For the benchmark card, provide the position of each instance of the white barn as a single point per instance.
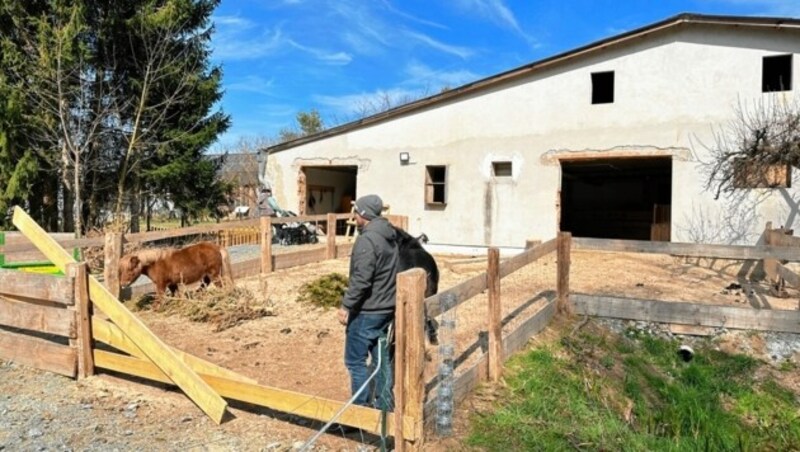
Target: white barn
(604, 141)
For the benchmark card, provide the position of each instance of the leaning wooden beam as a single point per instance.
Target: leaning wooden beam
(688, 249)
(108, 333)
(194, 387)
(688, 313)
(277, 399)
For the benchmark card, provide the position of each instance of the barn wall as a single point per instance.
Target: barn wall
(671, 90)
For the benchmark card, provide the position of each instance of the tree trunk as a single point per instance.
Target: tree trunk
(68, 218)
(77, 200)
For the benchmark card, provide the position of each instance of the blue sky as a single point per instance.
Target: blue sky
(341, 57)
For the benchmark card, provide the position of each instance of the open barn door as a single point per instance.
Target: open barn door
(617, 198)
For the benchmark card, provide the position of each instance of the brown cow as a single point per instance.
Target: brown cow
(168, 267)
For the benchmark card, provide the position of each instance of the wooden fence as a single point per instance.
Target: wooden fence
(779, 247)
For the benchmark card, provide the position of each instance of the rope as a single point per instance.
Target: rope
(381, 345)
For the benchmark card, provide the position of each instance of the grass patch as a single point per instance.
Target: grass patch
(599, 391)
(224, 307)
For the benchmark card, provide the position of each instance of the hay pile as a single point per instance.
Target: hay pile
(224, 307)
(325, 292)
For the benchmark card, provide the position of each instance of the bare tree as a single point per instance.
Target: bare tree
(749, 150)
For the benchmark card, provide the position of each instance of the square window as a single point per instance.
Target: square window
(776, 73)
(501, 169)
(435, 185)
(603, 87)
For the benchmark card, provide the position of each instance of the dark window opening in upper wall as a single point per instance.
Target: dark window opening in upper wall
(603, 87)
(501, 169)
(776, 73)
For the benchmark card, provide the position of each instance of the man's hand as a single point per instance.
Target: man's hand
(343, 314)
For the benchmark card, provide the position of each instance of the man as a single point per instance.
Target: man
(368, 304)
(267, 205)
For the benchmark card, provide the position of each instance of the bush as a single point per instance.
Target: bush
(325, 292)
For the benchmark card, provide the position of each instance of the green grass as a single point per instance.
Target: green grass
(576, 395)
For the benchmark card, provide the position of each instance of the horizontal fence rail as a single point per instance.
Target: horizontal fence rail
(710, 315)
(688, 249)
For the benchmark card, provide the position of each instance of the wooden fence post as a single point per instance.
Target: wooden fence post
(410, 391)
(113, 253)
(564, 249)
(495, 316)
(83, 316)
(266, 245)
(330, 231)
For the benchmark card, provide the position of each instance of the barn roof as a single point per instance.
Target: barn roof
(494, 80)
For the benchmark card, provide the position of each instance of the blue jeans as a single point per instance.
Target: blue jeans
(363, 332)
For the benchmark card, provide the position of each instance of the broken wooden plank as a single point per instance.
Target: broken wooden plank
(192, 385)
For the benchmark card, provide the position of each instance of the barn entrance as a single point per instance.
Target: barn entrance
(619, 198)
(327, 189)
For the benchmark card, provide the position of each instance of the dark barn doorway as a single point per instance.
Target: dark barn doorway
(328, 189)
(619, 198)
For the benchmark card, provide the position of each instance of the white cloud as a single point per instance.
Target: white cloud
(424, 75)
(233, 40)
(461, 52)
(334, 58)
(233, 21)
(497, 12)
(366, 103)
(251, 83)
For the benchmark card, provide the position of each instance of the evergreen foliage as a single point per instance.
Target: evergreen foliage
(326, 291)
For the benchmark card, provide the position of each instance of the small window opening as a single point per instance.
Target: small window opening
(776, 73)
(501, 169)
(435, 184)
(603, 87)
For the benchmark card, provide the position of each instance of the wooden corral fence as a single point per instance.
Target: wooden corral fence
(697, 314)
(26, 314)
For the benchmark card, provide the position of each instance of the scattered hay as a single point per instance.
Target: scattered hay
(326, 291)
(224, 307)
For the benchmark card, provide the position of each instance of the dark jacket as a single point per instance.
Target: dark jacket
(373, 270)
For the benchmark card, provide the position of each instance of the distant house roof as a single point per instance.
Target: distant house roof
(241, 169)
(492, 81)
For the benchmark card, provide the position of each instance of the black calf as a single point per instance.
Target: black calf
(413, 255)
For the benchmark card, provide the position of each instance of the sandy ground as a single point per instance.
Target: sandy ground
(300, 348)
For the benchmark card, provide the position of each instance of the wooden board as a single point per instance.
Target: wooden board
(463, 292)
(688, 249)
(194, 387)
(38, 353)
(35, 285)
(64, 243)
(304, 405)
(140, 237)
(791, 278)
(462, 386)
(517, 339)
(108, 333)
(297, 258)
(44, 319)
(691, 330)
(526, 257)
(688, 313)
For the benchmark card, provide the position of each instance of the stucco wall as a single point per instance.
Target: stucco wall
(672, 89)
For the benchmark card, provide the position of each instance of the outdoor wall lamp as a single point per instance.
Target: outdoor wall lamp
(404, 158)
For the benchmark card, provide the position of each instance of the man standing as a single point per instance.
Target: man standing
(368, 304)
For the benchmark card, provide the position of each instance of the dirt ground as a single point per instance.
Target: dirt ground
(300, 348)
